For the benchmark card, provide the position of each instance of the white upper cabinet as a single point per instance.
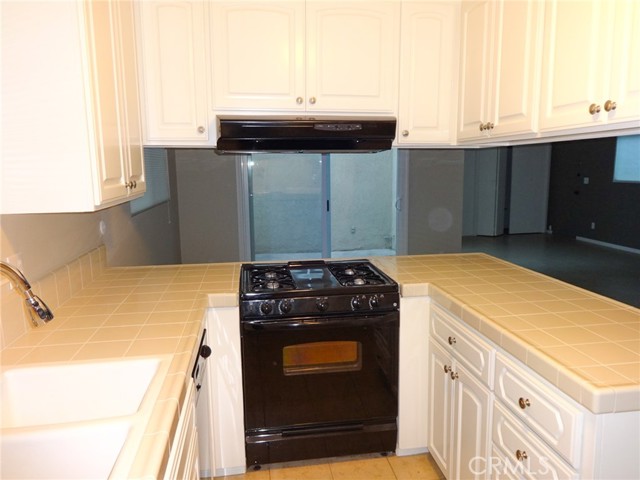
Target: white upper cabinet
(258, 55)
(428, 70)
(590, 73)
(172, 49)
(73, 80)
(296, 56)
(499, 70)
(352, 56)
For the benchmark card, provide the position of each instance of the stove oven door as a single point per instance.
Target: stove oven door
(320, 379)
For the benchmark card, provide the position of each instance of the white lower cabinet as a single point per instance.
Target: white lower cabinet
(460, 397)
(183, 456)
(224, 421)
(520, 454)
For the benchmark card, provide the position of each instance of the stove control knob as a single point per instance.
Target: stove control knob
(286, 306)
(374, 302)
(322, 303)
(356, 303)
(266, 308)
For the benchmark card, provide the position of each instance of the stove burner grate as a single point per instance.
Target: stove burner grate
(350, 275)
(270, 279)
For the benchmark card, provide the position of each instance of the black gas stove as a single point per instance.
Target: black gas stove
(315, 287)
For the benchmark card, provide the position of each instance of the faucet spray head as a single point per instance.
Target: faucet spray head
(36, 304)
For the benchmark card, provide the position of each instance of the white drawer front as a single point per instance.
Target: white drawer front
(474, 353)
(555, 419)
(521, 454)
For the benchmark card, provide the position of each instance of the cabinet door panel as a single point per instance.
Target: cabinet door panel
(624, 84)
(440, 418)
(514, 101)
(109, 118)
(472, 404)
(352, 58)
(557, 421)
(172, 55)
(468, 348)
(132, 131)
(523, 453)
(475, 78)
(258, 55)
(571, 71)
(426, 73)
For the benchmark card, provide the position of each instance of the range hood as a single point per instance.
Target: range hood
(305, 134)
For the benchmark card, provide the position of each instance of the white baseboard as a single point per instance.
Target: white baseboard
(609, 245)
(404, 452)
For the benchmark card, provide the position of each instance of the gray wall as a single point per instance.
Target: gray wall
(574, 205)
(434, 201)
(48, 241)
(208, 206)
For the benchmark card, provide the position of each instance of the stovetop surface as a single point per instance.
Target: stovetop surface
(317, 277)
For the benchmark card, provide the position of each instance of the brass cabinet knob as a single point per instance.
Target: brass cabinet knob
(452, 340)
(200, 129)
(454, 375)
(524, 403)
(482, 127)
(521, 455)
(610, 105)
(299, 100)
(593, 109)
(405, 133)
(312, 100)
(447, 369)
(490, 126)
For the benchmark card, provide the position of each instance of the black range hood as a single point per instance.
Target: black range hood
(294, 134)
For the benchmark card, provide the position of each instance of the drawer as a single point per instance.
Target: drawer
(466, 346)
(557, 420)
(519, 452)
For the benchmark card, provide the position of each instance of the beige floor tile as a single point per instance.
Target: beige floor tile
(252, 475)
(302, 472)
(415, 467)
(367, 469)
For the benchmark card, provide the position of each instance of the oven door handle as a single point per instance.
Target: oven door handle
(319, 322)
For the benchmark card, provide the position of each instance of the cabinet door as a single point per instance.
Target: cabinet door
(572, 76)
(475, 68)
(427, 71)
(472, 407)
(624, 73)
(352, 56)
(516, 72)
(257, 54)
(130, 99)
(172, 52)
(109, 117)
(440, 417)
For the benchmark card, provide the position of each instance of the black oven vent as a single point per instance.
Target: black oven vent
(287, 134)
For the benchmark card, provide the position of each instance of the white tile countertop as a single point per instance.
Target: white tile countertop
(135, 312)
(585, 344)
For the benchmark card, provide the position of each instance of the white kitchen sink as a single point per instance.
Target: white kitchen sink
(79, 451)
(79, 391)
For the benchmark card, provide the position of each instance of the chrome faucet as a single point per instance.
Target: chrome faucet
(36, 304)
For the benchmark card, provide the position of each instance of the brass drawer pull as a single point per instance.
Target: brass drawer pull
(521, 455)
(524, 403)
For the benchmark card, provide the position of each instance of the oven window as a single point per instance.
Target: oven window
(322, 357)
